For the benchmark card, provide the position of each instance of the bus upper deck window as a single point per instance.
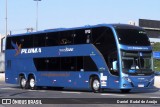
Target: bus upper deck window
(88, 39)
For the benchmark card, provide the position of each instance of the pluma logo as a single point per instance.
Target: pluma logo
(16, 47)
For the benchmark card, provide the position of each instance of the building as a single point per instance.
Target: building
(2, 46)
(152, 28)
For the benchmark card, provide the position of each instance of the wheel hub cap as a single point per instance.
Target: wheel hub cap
(32, 83)
(96, 84)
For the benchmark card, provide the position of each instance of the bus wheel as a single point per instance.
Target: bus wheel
(125, 90)
(32, 83)
(95, 84)
(23, 82)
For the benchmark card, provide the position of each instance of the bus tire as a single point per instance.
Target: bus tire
(23, 82)
(95, 85)
(32, 83)
(125, 90)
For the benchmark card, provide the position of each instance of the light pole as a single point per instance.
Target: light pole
(6, 18)
(37, 15)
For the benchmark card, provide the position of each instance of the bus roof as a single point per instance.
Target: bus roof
(124, 26)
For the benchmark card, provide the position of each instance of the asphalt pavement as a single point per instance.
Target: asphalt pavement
(77, 98)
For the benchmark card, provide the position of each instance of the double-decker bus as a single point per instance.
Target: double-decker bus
(105, 56)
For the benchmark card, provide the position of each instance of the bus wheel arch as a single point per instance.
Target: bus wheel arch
(32, 81)
(95, 84)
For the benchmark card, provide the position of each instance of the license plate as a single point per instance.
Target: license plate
(140, 85)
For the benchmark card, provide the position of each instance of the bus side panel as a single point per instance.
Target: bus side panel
(52, 79)
(113, 82)
(17, 67)
(10, 73)
(81, 80)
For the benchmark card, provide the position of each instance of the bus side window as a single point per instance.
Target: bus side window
(80, 63)
(115, 68)
(114, 64)
(80, 37)
(52, 39)
(66, 38)
(39, 40)
(88, 39)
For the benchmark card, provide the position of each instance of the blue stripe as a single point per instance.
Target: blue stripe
(135, 48)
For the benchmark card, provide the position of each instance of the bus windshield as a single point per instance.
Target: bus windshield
(134, 37)
(137, 63)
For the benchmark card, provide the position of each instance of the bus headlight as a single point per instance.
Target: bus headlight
(127, 79)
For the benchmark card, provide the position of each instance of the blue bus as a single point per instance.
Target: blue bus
(104, 56)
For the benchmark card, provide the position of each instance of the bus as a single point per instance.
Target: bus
(97, 57)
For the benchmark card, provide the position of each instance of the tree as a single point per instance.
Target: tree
(156, 62)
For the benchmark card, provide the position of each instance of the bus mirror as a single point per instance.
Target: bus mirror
(114, 64)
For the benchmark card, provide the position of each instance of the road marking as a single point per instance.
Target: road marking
(32, 90)
(154, 97)
(21, 89)
(8, 89)
(65, 92)
(113, 94)
(42, 91)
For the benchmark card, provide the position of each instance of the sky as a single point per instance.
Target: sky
(74, 13)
